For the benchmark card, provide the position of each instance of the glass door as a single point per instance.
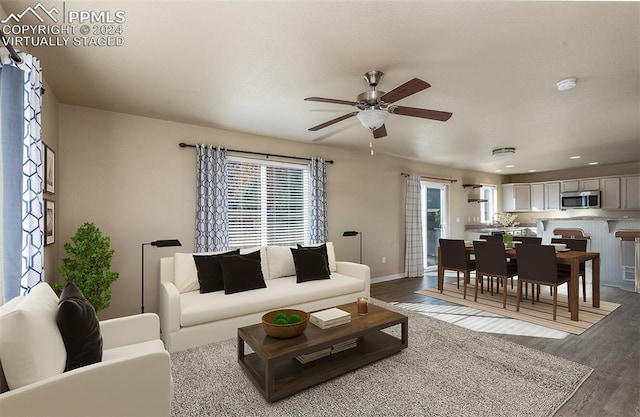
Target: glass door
(434, 221)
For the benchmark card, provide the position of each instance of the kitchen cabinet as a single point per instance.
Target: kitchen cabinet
(630, 192)
(552, 196)
(516, 197)
(592, 184)
(537, 197)
(610, 193)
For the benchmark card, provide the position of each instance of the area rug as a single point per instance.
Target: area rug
(540, 313)
(445, 371)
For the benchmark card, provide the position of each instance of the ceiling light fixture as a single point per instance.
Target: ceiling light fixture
(575, 157)
(498, 170)
(532, 170)
(372, 119)
(566, 84)
(509, 166)
(503, 151)
(593, 163)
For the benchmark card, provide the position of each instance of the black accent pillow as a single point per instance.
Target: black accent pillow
(321, 249)
(80, 329)
(210, 271)
(310, 265)
(242, 272)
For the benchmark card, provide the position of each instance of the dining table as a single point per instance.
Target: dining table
(572, 258)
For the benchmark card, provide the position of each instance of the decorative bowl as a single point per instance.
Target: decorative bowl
(284, 331)
(559, 246)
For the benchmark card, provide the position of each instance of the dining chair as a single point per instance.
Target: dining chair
(491, 238)
(528, 240)
(579, 245)
(491, 260)
(454, 258)
(537, 265)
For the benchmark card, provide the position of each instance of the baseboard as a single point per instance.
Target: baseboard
(386, 278)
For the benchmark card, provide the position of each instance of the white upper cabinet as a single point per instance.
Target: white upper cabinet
(537, 197)
(516, 197)
(552, 196)
(610, 193)
(631, 192)
(570, 186)
(590, 185)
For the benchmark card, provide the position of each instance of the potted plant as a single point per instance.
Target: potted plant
(89, 265)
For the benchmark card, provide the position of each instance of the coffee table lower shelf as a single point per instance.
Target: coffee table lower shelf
(289, 376)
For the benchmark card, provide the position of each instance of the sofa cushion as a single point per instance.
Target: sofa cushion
(199, 308)
(210, 272)
(31, 348)
(241, 272)
(135, 349)
(311, 265)
(280, 262)
(79, 327)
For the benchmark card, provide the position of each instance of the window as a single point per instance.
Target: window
(488, 210)
(268, 203)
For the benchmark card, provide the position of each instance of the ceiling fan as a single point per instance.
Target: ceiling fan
(375, 105)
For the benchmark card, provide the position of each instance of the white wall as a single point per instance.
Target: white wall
(127, 175)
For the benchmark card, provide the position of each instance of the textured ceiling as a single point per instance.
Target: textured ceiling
(247, 66)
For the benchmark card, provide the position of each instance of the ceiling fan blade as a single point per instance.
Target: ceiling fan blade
(410, 87)
(332, 100)
(442, 116)
(380, 132)
(330, 122)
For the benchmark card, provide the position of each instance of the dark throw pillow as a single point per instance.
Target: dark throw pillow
(310, 265)
(210, 271)
(242, 272)
(78, 324)
(321, 249)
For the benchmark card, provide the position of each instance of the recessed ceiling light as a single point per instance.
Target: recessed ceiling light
(498, 170)
(566, 84)
(509, 166)
(532, 170)
(593, 163)
(575, 157)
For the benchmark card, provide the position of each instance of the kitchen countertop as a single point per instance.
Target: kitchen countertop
(587, 218)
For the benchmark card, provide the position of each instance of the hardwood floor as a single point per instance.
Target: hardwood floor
(611, 347)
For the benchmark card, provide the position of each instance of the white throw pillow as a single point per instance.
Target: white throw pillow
(185, 274)
(280, 262)
(31, 347)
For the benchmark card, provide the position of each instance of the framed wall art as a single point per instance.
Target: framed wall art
(49, 222)
(49, 170)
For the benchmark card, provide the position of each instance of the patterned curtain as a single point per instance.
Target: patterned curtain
(318, 201)
(22, 208)
(413, 253)
(212, 234)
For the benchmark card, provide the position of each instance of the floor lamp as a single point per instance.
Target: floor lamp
(157, 244)
(354, 233)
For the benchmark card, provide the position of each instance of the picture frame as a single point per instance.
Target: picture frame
(49, 170)
(49, 222)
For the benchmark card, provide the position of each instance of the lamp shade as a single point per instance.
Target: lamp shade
(372, 119)
(166, 243)
(350, 233)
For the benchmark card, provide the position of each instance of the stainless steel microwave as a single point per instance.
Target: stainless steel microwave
(580, 199)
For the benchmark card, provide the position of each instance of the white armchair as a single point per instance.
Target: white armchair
(133, 378)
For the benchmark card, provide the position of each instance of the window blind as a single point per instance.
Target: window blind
(268, 203)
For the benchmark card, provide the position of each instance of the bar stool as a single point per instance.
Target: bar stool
(630, 236)
(573, 234)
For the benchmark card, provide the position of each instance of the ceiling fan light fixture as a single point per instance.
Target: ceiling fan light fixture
(503, 151)
(372, 119)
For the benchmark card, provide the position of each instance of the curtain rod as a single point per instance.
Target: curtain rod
(14, 55)
(188, 145)
(425, 177)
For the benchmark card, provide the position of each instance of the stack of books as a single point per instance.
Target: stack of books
(338, 347)
(329, 318)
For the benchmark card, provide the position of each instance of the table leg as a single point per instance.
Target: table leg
(440, 272)
(595, 281)
(269, 380)
(574, 292)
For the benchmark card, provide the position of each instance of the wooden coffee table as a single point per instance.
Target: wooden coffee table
(275, 371)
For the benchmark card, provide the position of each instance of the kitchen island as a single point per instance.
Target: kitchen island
(601, 231)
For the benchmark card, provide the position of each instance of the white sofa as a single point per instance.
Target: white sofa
(133, 378)
(189, 318)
